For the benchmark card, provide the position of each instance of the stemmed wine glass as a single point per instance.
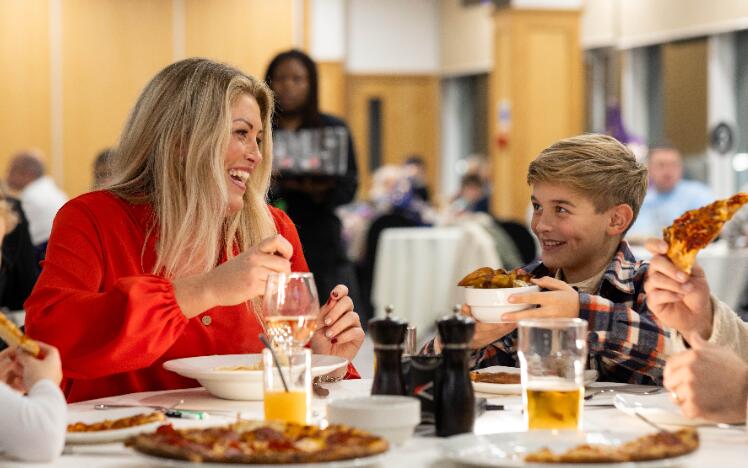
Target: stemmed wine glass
(290, 309)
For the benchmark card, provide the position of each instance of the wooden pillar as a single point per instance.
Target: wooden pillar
(535, 96)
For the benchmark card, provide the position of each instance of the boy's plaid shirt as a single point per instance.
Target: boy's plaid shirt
(625, 340)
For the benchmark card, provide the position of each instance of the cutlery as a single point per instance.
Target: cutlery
(643, 390)
(650, 423)
(168, 412)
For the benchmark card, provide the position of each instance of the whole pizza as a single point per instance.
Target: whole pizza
(256, 442)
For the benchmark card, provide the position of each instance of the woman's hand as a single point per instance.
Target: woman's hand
(680, 301)
(339, 331)
(238, 280)
(708, 381)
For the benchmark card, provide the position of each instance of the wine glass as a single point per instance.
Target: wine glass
(290, 309)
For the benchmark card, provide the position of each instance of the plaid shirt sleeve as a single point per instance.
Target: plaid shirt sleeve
(626, 343)
(499, 353)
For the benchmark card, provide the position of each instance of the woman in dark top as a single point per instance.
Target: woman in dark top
(307, 189)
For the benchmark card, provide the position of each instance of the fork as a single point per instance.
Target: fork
(593, 392)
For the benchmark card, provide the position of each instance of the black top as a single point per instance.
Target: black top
(19, 269)
(314, 215)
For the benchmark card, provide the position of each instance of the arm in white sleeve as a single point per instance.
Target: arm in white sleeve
(728, 331)
(33, 426)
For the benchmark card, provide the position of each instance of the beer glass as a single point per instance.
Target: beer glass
(552, 354)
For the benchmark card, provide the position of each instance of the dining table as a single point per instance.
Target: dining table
(720, 446)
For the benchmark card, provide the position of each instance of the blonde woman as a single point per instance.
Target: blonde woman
(169, 260)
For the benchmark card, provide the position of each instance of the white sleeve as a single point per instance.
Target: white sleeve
(33, 426)
(729, 330)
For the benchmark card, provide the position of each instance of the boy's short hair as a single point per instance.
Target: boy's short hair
(595, 165)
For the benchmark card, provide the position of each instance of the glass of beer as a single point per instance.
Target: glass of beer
(552, 354)
(289, 398)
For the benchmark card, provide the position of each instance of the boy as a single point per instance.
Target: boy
(586, 193)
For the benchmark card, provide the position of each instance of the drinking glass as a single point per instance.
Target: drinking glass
(552, 354)
(290, 309)
(292, 402)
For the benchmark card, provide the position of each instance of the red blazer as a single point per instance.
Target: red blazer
(114, 322)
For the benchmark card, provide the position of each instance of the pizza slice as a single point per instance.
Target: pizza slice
(11, 334)
(695, 229)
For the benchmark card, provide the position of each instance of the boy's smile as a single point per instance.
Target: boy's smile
(573, 236)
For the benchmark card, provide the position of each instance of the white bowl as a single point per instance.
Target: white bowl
(488, 305)
(389, 416)
(239, 385)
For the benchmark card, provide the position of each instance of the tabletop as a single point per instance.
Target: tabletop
(719, 446)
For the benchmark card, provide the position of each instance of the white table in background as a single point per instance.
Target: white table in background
(719, 447)
(417, 270)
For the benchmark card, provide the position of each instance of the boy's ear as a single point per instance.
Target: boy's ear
(620, 219)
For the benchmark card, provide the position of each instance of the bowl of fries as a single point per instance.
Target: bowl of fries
(487, 292)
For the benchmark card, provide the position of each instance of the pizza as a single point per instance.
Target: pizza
(13, 336)
(695, 229)
(121, 423)
(256, 442)
(663, 444)
(495, 377)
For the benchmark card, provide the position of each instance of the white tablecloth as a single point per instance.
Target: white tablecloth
(726, 269)
(719, 447)
(417, 269)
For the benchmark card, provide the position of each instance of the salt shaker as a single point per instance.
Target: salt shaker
(454, 397)
(388, 335)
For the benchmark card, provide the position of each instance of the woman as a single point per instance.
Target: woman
(310, 198)
(170, 261)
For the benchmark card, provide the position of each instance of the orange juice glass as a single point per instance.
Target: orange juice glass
(292, 402)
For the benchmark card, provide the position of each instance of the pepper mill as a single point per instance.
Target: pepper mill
(388, 335)
(454, 397)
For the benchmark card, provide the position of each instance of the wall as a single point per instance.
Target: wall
(79, 65)
(380, 42)
(465, 38)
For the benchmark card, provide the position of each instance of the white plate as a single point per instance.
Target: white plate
(352, 463)
(112, 435)
(657, 408)
(509, 449)
(239, 385)
(590, 376)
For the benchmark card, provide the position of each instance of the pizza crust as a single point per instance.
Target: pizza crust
(13, 336)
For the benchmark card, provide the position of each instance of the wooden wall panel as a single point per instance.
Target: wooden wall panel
(25, 81)
(244, 33)
(684, 84)
(410, 113)
(538, 74)
(111, 48)
(332, 87)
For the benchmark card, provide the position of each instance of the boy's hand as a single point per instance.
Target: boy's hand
(698, 382)
(680, 301)
(561, 300)
(487, 333)
(48, 366)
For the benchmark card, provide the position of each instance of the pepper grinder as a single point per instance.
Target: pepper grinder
(454, 397)
(388, 335)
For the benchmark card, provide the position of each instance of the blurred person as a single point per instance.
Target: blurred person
(586, 192)
(34, 424)
(472, 197)
(40, 197)
(310, 199)
(668, 195)
(172, 259)
(102, 171)
(19, 268)
(415, 170)
(710, 342)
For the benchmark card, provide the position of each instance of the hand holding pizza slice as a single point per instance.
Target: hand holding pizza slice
(10, 333)
(695, 229)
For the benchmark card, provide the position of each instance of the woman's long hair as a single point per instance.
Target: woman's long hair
(171, 155)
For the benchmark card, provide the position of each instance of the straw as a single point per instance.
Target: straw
(265, 341)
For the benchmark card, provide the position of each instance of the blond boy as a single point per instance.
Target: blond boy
(586, 193)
